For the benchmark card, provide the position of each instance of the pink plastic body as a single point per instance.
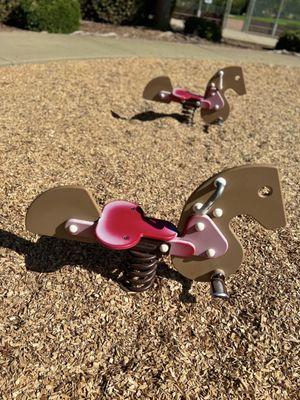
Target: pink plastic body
(209, 238)
(215, 99)
(123, 224)
(181, 95)
(210, 102)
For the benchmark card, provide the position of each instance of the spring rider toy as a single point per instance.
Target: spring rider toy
(203, 247)
(214, 106)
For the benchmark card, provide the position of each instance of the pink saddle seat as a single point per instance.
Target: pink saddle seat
(184, 95)
(123, 224)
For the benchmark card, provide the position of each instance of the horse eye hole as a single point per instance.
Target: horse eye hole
(265, 191)
(237, 78)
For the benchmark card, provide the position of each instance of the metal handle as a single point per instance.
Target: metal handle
(221, 75)
(220, 184)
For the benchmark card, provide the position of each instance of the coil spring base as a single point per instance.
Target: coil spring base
(141, 271)
(188, 112)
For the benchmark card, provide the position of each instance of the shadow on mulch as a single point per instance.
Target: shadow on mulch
(49, 254)
(150, 116)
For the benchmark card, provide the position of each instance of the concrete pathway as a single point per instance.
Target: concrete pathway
(19, 47)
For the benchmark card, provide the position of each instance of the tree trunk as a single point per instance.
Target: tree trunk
(162, 16)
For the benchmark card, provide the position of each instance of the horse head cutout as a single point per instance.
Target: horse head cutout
(226, 78)
(252, 190)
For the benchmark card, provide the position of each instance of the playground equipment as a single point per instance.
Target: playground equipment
(214, 105)
(203, 247)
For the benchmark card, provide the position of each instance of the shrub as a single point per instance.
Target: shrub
(113, 11)
(239, 7)
(88, 11)
(59, 16)
(204, 28)
(6, 6)
(289, 40)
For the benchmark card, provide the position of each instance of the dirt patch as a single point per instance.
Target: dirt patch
(67, 329)
(140, 32)
(6, 28)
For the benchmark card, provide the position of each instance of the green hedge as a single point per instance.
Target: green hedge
(58, 16)
(88, 11)
(239, 7)
(204, 28)
(289, 40)
(114, 11)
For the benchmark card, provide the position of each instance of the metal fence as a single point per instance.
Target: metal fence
(272, 17)
(199, 8)
(266, 17)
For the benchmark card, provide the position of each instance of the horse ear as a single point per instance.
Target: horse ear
(225, 78)
(155, 86)
(49, 212)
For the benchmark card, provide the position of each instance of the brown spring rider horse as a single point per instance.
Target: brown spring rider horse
(203, 247)
(214, 105)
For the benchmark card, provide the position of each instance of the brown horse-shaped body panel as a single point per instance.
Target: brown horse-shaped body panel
(250, 190)
(155, 86)
(49, 212)
(233, 78)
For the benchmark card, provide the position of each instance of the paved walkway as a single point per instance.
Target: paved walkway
(19, 47)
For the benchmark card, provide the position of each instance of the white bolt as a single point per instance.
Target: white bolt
(213, 85)
(217, 106)
(73, 229)
(164, 248)
(163, 94)
(199, 226)
(211, 252)
(218, 212)
(197, 206)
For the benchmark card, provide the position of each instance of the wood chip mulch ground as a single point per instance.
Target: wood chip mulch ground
(67, 329)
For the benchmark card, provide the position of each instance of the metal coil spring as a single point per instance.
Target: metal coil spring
(188, 112)
(141, 272)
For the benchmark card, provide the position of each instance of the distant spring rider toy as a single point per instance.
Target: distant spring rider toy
(203, 247)
(214, 106)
